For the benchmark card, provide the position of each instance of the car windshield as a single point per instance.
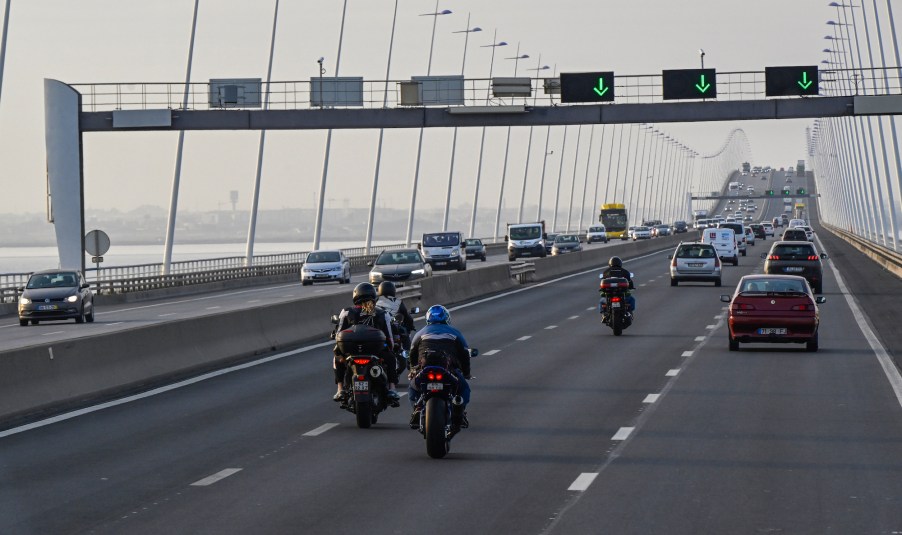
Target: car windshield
(525, 233)
(323, 256)
(398, 257)
(765, 286)
(792, 252)
(695, 251)
(442, 239)
(473, 242)
(566, 239)
(596, 229)
(53, 280)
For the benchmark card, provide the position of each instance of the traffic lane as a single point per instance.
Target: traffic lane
(172, 437)
(771, 438)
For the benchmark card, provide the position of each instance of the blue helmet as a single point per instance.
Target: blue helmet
(437, 314)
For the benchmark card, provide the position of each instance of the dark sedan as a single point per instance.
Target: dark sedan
(566, 243)
(773, 309)
(796, 258)
(56, 294)
(475, 248)
(399, 265)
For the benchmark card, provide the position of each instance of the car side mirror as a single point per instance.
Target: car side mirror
(370, 263)
(85, 285)
(725, 298)
(474, 352)
(820, 299)
(823, 256)
(415, 310)
(20, 290)
(505, 237)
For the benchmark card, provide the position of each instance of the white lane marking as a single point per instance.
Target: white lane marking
(672, 373)
(641, 285)
(319, 291)
(653, 280)
(491, 352)
(720, 316)
(700, 338)
(222, 474)
(550, 327)
(686, 354)
(289, 295)
(254, 301)
(524, 338)
(168, 314)
(623, 433)
(319, 430)
(889, 368)
(54, 332)
(573, 317)
(213, 308)
(710, 327)
(590, 309)
(582, 482)
(651, 398)
(111, 324)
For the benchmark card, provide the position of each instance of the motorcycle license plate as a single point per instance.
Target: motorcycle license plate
(615, 304)
(361, 386)
(772, 330)
(47, 307)
(434, 386)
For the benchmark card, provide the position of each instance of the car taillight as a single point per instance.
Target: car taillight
(743, 306)
(773, 257)
(804, 308)
(434, 376)
(673, 262)
(361, 362)
(716, 261)
(812, 257)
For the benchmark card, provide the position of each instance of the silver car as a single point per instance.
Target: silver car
(400, 266)
(695, 262)
(325, 266)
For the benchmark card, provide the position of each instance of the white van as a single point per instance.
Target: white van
(724, 242)
(597, 233)
(797, 223)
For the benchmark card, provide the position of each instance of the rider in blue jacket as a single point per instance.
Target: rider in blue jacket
(438, 337)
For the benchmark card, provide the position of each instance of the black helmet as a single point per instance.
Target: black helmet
(386, 288)
(615, 262)
(364, 292)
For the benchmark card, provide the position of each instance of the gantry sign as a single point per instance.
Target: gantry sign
(688, 84)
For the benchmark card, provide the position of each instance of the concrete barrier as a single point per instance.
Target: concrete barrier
(49, 378)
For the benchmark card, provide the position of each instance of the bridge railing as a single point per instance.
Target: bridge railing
(297, 95)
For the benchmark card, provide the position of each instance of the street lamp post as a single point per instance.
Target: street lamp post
(557, 192)
(507, 146)
(3, 44)
(529, 144)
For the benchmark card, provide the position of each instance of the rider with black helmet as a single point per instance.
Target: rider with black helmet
(365, 312)
(396, 309)
(616, 269)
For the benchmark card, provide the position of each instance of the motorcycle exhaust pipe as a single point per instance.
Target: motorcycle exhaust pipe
(375, 372)
(457, 400)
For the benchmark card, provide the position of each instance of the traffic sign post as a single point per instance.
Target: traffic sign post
(690, 84)
(587, 87)
(791, 81)
(97, 243)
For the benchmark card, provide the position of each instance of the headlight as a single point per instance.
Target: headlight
(455, 252)
(24, 301)
(375, 274)
(72, 298)
(418, 272)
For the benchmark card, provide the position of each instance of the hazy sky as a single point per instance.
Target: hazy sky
(80, 41)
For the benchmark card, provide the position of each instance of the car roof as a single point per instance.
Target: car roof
(325, 251)
(401, 251)
(55, 271)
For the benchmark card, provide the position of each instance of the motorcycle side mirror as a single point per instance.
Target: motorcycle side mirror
(334, 319)
(474, 352)
(601, 275)
(415, 310)
(632, 275)
(725, 298)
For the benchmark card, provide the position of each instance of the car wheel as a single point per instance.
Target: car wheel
(734, 345)
(34, 322)
(23, 323)
(80, 318)
(90, 317)
(462, 266)
(511, 258)
(674, 282)
(717, 282)
(811, 345)
(483, 258)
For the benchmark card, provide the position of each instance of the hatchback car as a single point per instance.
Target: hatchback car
(695, 262)
(768, 229)
(56, 294)
(475, 248)
(796, 258)
(566, 243)
(399, 265)
(326, 266)
(597, 233)
(773, 309)
(641, 233)
(794, 234)
(549, 242)
(758, 231)
(662, 230)
(749, 236)
(680, 227)
(809, 232)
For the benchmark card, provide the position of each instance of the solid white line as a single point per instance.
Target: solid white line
(319, 430)
(254, 301)
(524, 338)
(111, 324)
(686, 354)
(573, 317)
(710, 326)
(168, 314)
(672, 373)
(623, 433)
(651, 398)
(550, 327)
(213, 308)
(207, 481)
(491, 352)
(700, 338)
(889, 368)
(590, 309)
(54, 332)
(582, 482)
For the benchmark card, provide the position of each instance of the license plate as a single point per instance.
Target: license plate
(615, 304)
(772, 330)
(793, 269)
(435, 386)
(47, 307)
(361, 386)
(320, 276)
(441, 263)
(696, 264)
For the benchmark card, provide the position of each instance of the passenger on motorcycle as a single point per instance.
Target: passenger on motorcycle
(395, 308)
(364, 312)
(438, 337)
(616, 269)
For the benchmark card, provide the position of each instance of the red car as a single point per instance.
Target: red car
(773, 309)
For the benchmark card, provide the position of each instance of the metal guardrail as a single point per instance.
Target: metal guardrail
(889, 259)
(522, 271)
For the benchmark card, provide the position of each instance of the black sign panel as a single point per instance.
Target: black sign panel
(690, 84)
(587, 87)
(791, 81)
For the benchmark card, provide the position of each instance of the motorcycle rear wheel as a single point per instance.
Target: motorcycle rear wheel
(437, 445)
(364, 413)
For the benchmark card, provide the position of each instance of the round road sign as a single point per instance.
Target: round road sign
(97, 243)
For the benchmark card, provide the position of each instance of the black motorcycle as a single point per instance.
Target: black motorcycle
(614, 305)
(366, 380)
(439, 393)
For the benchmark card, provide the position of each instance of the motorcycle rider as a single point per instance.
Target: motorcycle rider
(615, 269)
(439, 338)
(364, 312)
(396, 309)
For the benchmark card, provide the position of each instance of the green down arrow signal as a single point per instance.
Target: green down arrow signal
(601, 89)
(805, 83)
(702, 86)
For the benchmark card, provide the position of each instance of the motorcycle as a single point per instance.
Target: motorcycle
(439, 395)
(614, 305)
(366, 380)
(402, 339)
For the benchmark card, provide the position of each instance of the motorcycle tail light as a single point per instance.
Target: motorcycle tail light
(361, 362)
(430, 376)
(615, 299)
(805, 308)
(361, 377)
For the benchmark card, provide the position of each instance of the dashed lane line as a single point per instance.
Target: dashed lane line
(213, 308)
(686, 354)
(167, 314)
(673, 372)
(582, 482)
(218, 476)
(54, 332)
(651, 398)
(623, 433)
(491, 352)
(573, 318)
(550, 327)
(524, 338)
(710, 327)
(320, 430)
(700, 338)
(590, 309)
